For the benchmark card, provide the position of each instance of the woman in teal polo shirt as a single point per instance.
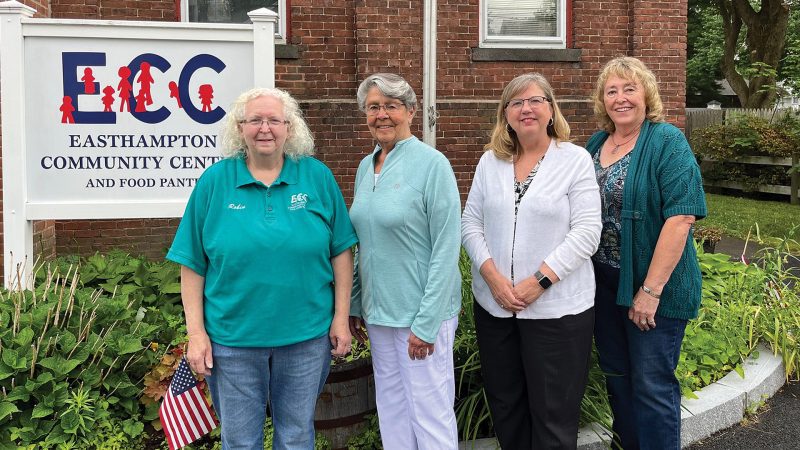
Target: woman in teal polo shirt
(648, 278)
(266, 273)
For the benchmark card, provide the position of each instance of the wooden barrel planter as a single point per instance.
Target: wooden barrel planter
(346, 399)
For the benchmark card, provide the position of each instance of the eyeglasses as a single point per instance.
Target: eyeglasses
(390, 108)
(535, 102)
(258, 123)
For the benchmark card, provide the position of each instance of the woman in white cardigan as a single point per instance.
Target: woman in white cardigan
(531, 223)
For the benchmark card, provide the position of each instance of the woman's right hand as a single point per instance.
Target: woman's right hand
(199, 354)
(502, 288)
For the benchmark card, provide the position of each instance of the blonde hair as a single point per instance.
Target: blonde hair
(628, 68)
(299, 141)
(504, 142)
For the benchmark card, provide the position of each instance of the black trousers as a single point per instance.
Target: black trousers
(535, 373)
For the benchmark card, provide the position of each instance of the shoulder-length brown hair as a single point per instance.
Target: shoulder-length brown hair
(628, 68)
(504, 142)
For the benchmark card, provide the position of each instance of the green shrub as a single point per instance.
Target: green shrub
(72, 359)
(153, 286)
(744, 136)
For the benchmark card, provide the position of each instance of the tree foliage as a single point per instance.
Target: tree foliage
(751, 43)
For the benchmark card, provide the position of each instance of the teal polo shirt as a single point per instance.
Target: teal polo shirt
(265, 251)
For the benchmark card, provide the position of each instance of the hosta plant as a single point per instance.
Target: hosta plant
(71, 358)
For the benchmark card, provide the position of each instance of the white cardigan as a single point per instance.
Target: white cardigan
(558, 223)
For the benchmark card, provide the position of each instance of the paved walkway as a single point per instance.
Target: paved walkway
(776, 426)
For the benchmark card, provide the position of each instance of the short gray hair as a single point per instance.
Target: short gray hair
(390, 85)
(299, 141)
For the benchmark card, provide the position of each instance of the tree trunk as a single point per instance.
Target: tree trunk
(764, 41)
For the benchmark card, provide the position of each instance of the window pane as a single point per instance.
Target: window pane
(226, 11)
(526, 18)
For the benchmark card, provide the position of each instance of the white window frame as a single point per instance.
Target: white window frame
(280, 30)
(558, 41)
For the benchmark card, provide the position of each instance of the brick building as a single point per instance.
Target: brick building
(328, 46)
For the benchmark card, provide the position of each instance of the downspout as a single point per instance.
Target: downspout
(429, 113)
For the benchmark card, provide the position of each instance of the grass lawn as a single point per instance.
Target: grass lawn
(738, 216)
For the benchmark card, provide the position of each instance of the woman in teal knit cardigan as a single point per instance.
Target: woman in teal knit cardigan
(648, 278)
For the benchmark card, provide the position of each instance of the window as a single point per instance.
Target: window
(232, 11)
(523, 23)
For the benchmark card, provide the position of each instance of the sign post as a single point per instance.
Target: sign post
(114, 119)
(17, 229)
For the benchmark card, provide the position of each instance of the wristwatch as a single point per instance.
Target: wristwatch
(544, 282)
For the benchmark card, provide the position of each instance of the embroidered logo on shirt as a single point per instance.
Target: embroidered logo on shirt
(236, 206)
(298, 201)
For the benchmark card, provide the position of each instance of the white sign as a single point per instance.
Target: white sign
(125, 123)
(114, 119)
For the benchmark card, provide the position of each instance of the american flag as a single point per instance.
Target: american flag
(184, 412)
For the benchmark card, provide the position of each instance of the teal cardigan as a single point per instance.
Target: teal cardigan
(663, 181)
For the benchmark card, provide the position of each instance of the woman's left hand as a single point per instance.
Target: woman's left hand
(643, 311)
(529, 290)
(417, 348)
(341, 339)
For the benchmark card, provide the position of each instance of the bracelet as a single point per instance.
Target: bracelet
(650, 292)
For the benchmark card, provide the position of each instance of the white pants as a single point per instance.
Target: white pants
(414, 397)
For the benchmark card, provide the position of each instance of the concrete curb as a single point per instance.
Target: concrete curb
(718, 406)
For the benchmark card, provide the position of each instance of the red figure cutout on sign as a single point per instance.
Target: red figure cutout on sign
(108, 99)
(66, 110)
(206, 92)
(140, 102)
(124, 88)
(144, 80)
(88, 81)
(173, 93)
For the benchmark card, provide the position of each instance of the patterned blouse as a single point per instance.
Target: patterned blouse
(520, 188)
(611, 180)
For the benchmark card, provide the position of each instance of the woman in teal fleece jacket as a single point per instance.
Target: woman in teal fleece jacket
(648, 278)
(407, 214)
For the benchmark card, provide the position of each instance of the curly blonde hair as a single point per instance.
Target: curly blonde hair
(504, 142)
(627, 68)
(299, 141)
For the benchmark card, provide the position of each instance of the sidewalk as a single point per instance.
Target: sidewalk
(776, 426)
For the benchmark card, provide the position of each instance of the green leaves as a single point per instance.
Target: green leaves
(82, 343)
(7, 408)
(125, 344)
(13, 360)
(70, 422)
(132, 428)
(24, 337)
(41, 410)
(59, 365)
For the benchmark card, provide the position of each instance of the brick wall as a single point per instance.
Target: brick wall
(44, 239)
(115, 9)
(42, 7)
(659, 39)
(339, 42)
(148, 237)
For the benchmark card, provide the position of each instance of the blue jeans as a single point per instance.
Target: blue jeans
(290, 377)
(640, 367)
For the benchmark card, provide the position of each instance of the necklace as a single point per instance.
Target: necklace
(632, 136)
